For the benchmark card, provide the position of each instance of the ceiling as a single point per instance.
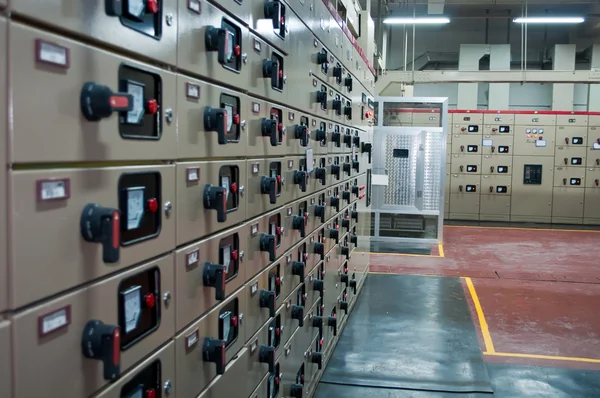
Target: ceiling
(483, 8)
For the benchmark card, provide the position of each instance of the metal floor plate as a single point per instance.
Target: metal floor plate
(410, 332)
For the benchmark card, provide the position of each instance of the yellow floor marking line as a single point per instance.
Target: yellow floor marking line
(441, 249)
(485, 331)
(524, 229)
(546, 357)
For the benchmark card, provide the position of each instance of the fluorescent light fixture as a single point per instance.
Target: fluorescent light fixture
(413, 21)
(549, 20)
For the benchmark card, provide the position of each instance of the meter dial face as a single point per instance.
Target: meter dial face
(136, 8)
(138, 393)
(272, 386)
(133, 307)
(226, 317)
(225, 184)
(135, 207)
(136, 90)
(229, 40)
(229, 110)
(226, 258)
(274, 229)
(272, 336)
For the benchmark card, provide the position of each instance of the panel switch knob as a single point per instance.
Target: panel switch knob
(266, 354)
(103, 342)
(320, 212)
(214, 275)
(102, 225)
(296, 390)
(321, 174)
(301, 133)
(268, 186)
(269, 128)
(267, 299)
(298, 314)
(332, 323)
(215, 119)
(317, 322)
(301, 179)
(299, 224)
(213, 350)
(99, 102)
(215, 198)
(298, 269)
(267, 244)
(317, 357)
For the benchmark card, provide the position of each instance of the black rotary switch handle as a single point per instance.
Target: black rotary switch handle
(346, 196)
(337, 105)
(98, 102)
(348, 83)
(366, 147)
(273, 12)
(319, 249)
(298, 314)
(302, 133)
(337, 73)
(336, 171)
(213, 350)
(354, 239)
(322, 98)
(345, 250)
(344, 306)
(319, 286)
(298, 268)
(271, 70)
(356, 166)
(355, 190)
(301, 179)
(215, 119)
(348, 112)
(336, 137)
(335, 202)
(103, 342)
(268, 186)
(317, 357)
(344, 279)
(347, 168)
(221, 41)
(321, 174)
(354, 215)
(102, 225)
(267, 244)
(346, 223)
(214, 275)
(320, 212)
(353, 285)
(356, 141)
(348, 140)
(298, 223)
(266, 354)
(317, 322)
(215, 198)
(334, 233)
(321, 58)
(332, 323)
(269, 128)
(268, 299)
(321, 135)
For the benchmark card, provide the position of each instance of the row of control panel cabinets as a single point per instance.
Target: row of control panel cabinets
(155, 115)
(311, 80)
(196, 34)
(188, 330)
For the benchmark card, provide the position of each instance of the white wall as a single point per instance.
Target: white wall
(522, 96)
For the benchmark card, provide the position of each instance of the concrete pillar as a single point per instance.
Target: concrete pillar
(499, 92)
(563, 58)
(594, 91)
(468, 60)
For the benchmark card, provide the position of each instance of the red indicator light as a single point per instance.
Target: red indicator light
(153, 205)
(151, 393)
(280, 73)
(152, 6)
(236, 119)
(234, 321)
(152, 106)
(237, 51)
(234, 255)
(149, 300)
(280, 127)
(277, 331)
(233, 187)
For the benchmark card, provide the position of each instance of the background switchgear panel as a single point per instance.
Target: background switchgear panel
(532, 166)
(194, 192)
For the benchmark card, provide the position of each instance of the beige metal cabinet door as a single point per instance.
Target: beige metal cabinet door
(573, 177)
(194, 56)
(534, 140)
(593, 156)
(573, 120)
(465, 164)
(6, 368)
(500, 145)
(496, 164)
(495, 208)
(464, 197)
(592, 177)
(531, 199)
(159, 42)
(571, 136)
(566, 156)
(466, 144)
(567, 205)
(591, 212)
(193, 372)
(535, 119)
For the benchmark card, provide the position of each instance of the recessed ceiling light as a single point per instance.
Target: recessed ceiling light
(413, 21)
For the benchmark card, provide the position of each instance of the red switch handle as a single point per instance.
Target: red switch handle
(491, 189)
(462, 148)
(460, 188)
(492, 169)
(564, 181)
(567, 140)
(566, 161)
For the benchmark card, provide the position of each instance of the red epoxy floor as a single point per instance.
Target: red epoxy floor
(539, 290)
